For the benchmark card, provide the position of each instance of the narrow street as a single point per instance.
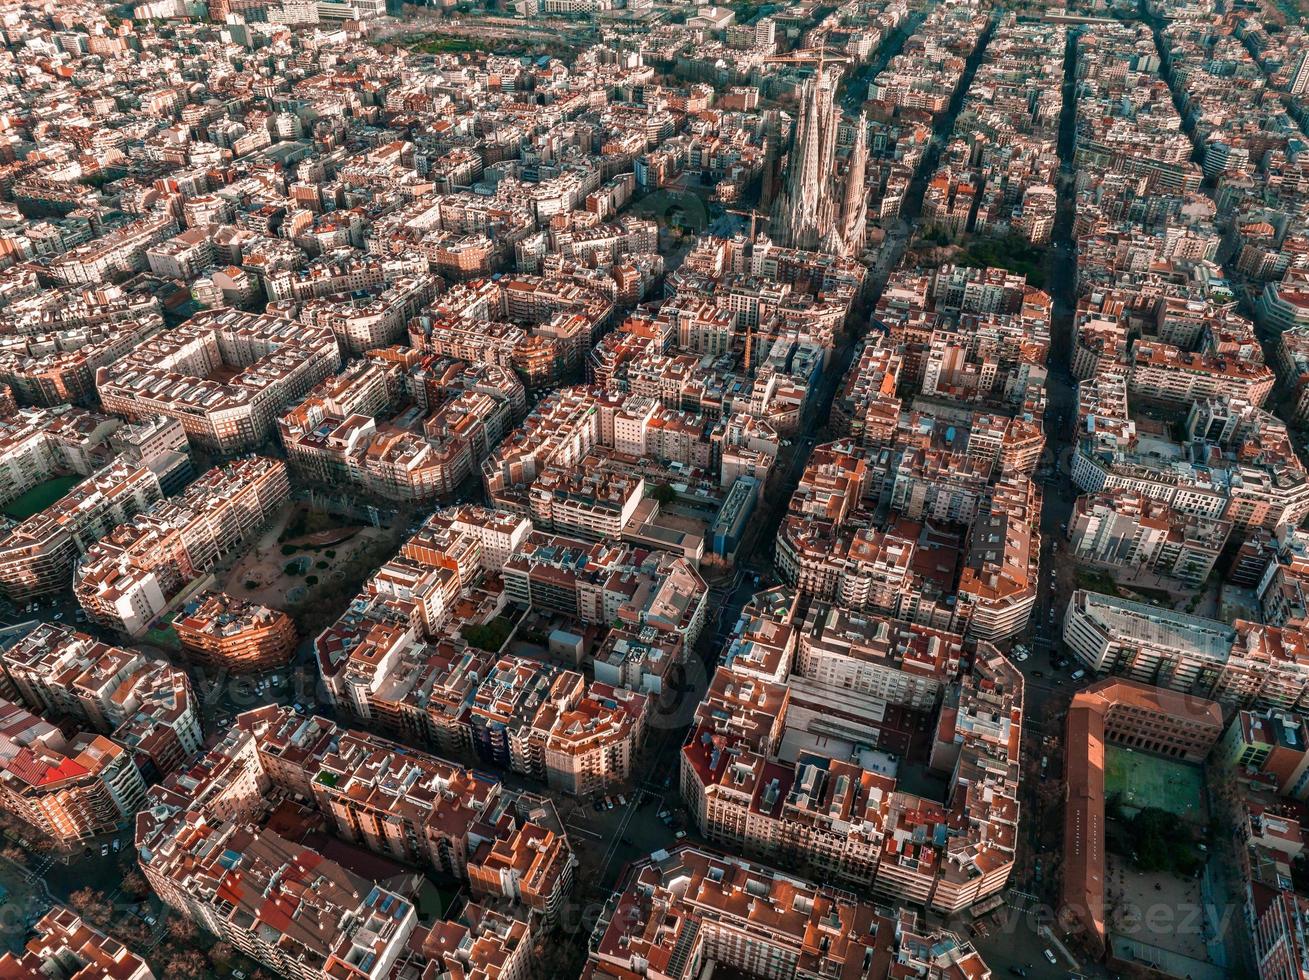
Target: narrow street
(943, 128)
(1033, 893)
(856, 85)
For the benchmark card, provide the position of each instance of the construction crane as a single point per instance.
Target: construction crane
(754, 214)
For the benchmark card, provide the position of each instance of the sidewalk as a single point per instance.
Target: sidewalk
(1053, 940)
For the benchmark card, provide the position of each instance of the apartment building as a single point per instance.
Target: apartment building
(1125, 529)
(595, 504)
(36, 443)
(589, 740)
(676, 912)
(1162, 374)
(218, 630)
(58, 340)
(224, 374)
(559, 432)
(222, 875)
(997, 584)
(63, 937)
(145, 705)
(37, 556)
(68, 789)
(1270, 744)
(772, 768)
(120, 251)
(211, 852)
(829, 548)
(1242, 663)
(1253, 477)
(363, 322)
(606, 583)
(407, 432)
(131, 575)
(885, 658)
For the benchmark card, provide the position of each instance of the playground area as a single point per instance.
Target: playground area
(1144, 780)
(308, 564)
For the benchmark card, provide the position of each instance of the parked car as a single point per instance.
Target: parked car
(1050, 956)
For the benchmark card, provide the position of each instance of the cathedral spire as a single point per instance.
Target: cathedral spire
(807, 213)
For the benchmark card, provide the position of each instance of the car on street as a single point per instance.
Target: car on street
(1050, 956)
(104, 850)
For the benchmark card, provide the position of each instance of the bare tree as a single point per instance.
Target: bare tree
(182, 928)
(92, 905)
(221, 953)
(186, 963)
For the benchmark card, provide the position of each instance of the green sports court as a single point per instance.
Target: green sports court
(1144, 780)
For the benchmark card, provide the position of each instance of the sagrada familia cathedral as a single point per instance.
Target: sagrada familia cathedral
(811, 210)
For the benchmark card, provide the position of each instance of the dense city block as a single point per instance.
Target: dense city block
(642, 490)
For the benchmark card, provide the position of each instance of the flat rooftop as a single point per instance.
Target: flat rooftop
(1161, 627)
